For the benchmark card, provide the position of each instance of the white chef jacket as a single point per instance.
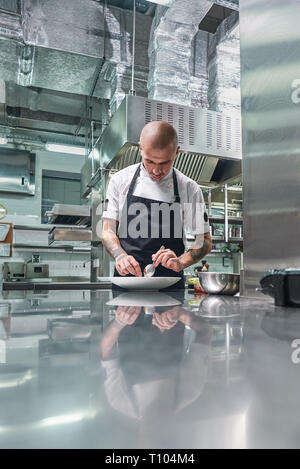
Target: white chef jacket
(191, 197)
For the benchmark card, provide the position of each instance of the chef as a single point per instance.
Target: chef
(151, 207)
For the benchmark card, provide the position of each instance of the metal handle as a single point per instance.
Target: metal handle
(262, 290)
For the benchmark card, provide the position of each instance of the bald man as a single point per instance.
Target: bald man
(151, 207)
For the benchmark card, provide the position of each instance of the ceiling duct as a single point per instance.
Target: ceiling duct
(205, 137)
(40, 46)
(232, 4)
(174, 35)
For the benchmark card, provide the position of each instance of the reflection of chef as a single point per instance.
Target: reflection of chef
(150, 375)
(144, 211)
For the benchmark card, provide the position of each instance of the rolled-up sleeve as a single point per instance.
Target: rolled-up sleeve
(195, 213)
(111, 206)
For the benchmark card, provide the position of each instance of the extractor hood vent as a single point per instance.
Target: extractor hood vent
(204, 136)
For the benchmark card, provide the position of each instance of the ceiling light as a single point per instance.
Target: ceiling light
(65, 149)
(162, 2)
(3, 141)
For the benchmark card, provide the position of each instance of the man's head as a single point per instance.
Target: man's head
(159, 148)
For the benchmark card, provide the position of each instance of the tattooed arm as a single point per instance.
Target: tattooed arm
(168, 258)
(125, 264)
(194, 255)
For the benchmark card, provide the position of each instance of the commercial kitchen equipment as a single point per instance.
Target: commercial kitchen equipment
(283, 285)
(14, 271)
(84, 228)
(22, 272)
(206, 138)
(36, 271)
(17, 171)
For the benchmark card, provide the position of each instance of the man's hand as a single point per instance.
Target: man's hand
(167, 320)
(127, 315)
(168, 259)
(128, 265)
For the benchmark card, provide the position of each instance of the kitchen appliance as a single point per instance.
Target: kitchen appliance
(210, 141)
(219, 283)
(283, 285)
(19, 271)
(17, 171)
(14, 271)
(35, 270)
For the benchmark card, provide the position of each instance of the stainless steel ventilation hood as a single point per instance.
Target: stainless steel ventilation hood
(206, 138)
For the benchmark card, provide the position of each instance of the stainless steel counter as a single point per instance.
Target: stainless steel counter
(49, 284)
(81, 369)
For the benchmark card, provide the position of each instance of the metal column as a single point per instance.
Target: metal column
(270, 86)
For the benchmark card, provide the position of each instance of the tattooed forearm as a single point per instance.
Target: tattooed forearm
(198, 254)
(192, 256)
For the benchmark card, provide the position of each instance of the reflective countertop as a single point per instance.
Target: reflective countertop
(96, 369)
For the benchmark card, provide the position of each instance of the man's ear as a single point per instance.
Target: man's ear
(176, 154)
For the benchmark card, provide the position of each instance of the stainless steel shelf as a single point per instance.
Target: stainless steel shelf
(231, 220)
(235, 240)
(37, 247)
(47, 227)
(79, 215)
(220, 239)
(58, 234)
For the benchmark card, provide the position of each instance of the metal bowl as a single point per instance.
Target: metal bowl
(218, 283)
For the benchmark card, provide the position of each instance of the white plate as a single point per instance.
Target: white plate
(144, 283)
(153, 298)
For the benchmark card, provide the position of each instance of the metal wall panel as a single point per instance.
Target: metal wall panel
(270, 84)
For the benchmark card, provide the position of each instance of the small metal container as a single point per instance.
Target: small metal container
(232, 232)
(239, 232)
(219, 283)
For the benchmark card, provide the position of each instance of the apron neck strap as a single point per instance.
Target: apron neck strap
(134, 179)
(136, 175)
(176, 191)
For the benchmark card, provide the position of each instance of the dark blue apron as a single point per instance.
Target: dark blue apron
(142, 249)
